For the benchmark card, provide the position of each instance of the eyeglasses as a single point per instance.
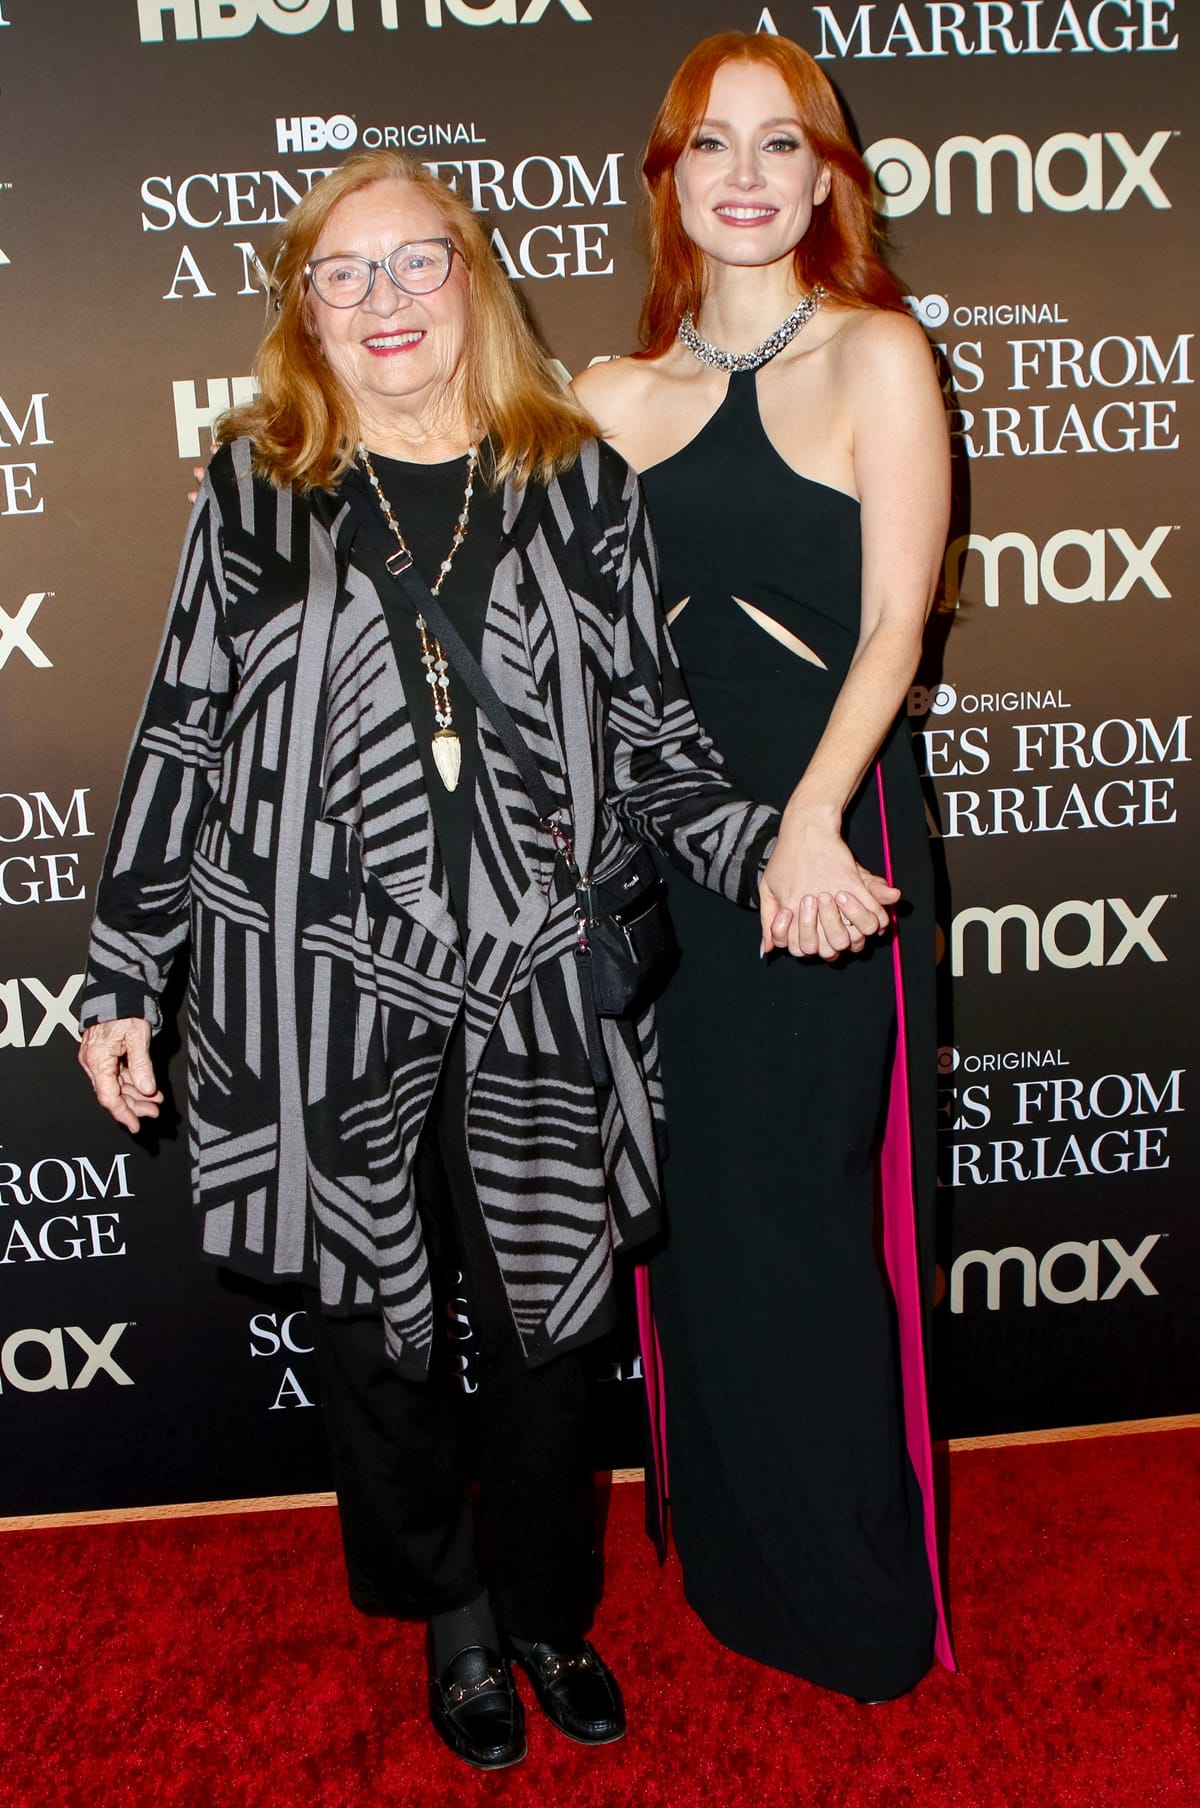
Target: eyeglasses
(416, 269)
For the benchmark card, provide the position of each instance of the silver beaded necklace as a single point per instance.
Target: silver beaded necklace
(784, 333)
(447, 748)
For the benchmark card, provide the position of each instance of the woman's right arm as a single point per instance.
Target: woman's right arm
(141, 919)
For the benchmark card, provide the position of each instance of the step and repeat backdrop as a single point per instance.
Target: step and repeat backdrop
(1036, 170)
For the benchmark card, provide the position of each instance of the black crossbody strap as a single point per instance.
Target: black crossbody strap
(423, 602)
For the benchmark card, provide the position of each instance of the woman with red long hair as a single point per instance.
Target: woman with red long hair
(787, 422)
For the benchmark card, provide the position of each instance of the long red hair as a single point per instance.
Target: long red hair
(840, 248)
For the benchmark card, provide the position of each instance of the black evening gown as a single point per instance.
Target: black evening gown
(801, 1510)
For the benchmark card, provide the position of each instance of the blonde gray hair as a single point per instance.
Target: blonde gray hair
(303, 424)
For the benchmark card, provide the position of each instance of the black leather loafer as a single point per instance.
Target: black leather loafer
(476, 1709)
(576, 1691)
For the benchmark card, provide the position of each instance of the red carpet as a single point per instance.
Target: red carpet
(215, 1663)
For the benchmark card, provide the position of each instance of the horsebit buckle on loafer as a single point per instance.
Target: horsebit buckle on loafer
(553, 1666)
(458, 1692)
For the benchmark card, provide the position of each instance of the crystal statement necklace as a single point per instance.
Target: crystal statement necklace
(774, 342)
(447, 748)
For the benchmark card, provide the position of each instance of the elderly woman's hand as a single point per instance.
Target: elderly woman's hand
(815, 898)
(115, 1056)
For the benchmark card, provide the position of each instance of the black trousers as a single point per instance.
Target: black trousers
(405, 1452)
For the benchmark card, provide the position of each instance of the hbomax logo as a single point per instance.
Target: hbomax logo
(1036, 568)
(18, 1028)
(194, 19)
(35, 1361)
(1079, 1280)
(1037, 936)
(16, 635)
(1071, 172)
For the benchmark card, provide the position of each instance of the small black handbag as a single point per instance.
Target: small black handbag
(624, 940)
(626, 928)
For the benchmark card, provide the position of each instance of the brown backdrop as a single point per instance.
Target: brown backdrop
(1035, 164)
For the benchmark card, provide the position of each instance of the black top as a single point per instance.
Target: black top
(731, 518)
(427, 501)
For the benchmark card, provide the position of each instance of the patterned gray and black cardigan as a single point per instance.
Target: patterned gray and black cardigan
(274, 816)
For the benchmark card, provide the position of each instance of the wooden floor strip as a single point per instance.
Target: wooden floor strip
(180, 1509)
(1065, 1434)
(278, 1503)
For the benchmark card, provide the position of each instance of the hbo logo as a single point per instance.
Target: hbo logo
(311, 133)
(930, 310)
(938, 701)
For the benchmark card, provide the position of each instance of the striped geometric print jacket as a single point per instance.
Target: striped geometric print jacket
(274, 818)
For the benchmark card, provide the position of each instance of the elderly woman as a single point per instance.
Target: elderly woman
(394, 1095)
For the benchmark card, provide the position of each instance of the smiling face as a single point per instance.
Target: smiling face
(398, 356)
(748, 182)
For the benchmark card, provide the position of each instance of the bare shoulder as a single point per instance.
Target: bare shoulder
(645, 408)
(897, 415)
(616, 390)
(877, 347)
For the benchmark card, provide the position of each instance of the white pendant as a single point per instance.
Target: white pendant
(447, 757)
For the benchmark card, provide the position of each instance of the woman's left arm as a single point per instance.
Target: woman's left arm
(902, 474)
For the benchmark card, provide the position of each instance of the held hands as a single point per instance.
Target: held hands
(815, 898)
(115, 1056)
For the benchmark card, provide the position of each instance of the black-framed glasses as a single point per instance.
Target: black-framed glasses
(419, 268)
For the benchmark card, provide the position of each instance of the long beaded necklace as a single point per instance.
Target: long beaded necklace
(447, 748)
(774, 342)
